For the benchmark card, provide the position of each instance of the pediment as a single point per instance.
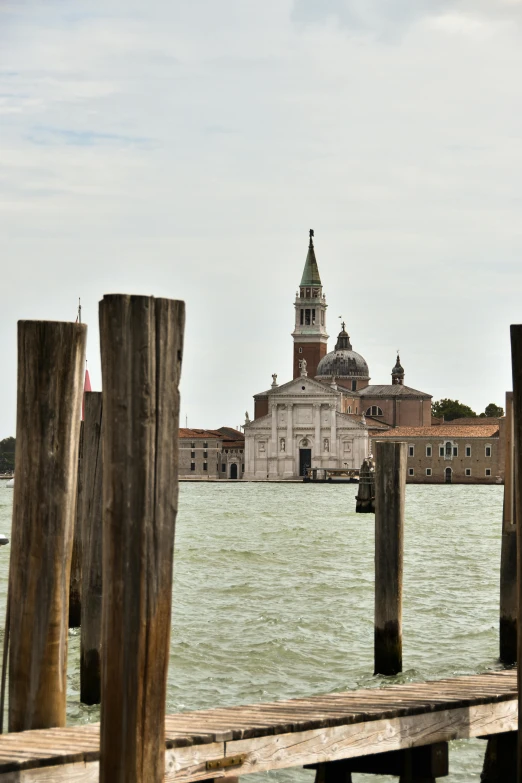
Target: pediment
(295, 387)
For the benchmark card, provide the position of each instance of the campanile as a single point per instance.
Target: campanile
(310, 337)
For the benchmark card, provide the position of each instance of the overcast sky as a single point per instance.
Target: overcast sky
(184, 149)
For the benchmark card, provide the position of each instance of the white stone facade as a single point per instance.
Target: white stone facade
(303, 428)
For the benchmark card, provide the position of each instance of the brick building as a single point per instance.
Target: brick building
(211, 454)
(452, 453)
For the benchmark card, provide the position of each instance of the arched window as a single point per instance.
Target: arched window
(374, 410)
(449, 449)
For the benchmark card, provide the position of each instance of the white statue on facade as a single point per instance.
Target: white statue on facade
(303, 367)
(247, 418)
(283, 444)
(274, 379)
(326, 445)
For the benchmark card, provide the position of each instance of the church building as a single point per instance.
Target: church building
(324, 416)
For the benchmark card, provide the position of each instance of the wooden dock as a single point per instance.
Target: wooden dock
(232, 741)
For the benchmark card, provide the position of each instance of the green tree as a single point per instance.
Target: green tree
(7, 454)
(493, 410)
(451, 409)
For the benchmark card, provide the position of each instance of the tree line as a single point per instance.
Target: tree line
(453, 409)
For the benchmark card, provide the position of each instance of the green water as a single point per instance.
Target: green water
(273, 596)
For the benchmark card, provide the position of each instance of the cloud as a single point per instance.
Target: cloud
(388, 19)
(48, 136)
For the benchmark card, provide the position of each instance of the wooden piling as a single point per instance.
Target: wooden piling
(91, 565)
(390, 490)
(508, 557)
(141, 347)
(516, 366)
(50, 365)
(75, 584)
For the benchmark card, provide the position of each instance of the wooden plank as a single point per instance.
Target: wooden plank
(141, 347)
(91, 566)
(390, 492)
(359, 739)
(50, 364)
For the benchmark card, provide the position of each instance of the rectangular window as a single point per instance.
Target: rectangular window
(192, 445)
(488, 451)
(468, 471)
(410, 472)
(488, 471)
(428, 454)
(313, 316)
(205, 445)
(441, 451)
(468, 452)
(308, 293)
(455, 451)
(205, 455)
(300, 350)
(193, 455)
(411, 453)
(428, 471)
(223, 468)
(302, 316)
(193, 466)
(307, 317)
(205, 466)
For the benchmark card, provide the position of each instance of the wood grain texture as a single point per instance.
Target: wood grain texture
(141, 348)
(516, 367)
(50, 364)
(75, 583)
(91, 568)
(390, 491)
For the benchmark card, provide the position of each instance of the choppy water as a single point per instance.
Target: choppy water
(273, 596)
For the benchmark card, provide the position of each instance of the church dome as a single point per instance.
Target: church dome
(343, 362)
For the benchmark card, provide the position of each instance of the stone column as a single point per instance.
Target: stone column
(274, 444)
(289, 430)
(318, 444)
(333, 433)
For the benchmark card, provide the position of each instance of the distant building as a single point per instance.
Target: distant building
(211, 454)
(452, 453)
(329, 414)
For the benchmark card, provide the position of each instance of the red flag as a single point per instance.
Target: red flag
(86, 388)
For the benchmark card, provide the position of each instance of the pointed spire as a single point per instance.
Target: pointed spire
(311, 270)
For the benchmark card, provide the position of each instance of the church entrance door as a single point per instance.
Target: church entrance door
(233, 471)
(305, 460)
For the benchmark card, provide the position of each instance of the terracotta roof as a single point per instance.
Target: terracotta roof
(231, 434)
(188, 433)
(442, 431)
(393, 390)
(476, 421)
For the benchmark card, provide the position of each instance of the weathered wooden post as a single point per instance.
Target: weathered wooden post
(75, 589)
(50, 364)
(508, 557)
(516, 366)
(390, 490)
(141, 347)
(90, 513)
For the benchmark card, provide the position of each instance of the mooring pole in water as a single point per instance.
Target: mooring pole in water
(75, 588)
(50, 364)
(508, 557)
(90, 514)
(516, 364)
(141, 347)
(390, 490)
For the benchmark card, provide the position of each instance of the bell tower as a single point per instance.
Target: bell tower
(310, 337)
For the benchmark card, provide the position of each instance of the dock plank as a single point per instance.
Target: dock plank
(283, 734)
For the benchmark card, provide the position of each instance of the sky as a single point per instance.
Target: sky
(184, 150)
